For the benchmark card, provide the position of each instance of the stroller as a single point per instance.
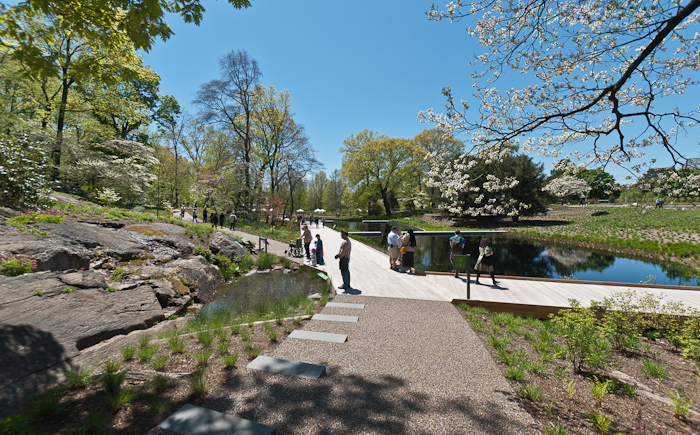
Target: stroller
(296, 248)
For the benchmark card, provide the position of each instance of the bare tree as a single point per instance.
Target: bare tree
(231, 101)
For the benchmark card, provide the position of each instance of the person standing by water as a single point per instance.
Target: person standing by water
(394, 243)
(408, 241)
(343, 256)
(319, 250)
(457, 243)
(485, 261)
(306, 235)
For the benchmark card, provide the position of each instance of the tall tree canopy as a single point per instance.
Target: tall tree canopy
(97, 20)
(582, 71)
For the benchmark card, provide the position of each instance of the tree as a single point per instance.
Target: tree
(376, 166)
(97, 20)
(588, 71)
(317, 189)
(568, 186)
(334, 191)
(434, 142)
(232, 101)
(56, 60)
(602, 184)
(471, 186)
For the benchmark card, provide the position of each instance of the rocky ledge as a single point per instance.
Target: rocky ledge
(94, 282)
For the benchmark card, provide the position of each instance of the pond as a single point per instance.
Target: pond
(517, 257)
(245, 293)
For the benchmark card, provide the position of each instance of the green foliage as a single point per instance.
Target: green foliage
(598, 389)
(95, 423)
(159, 406)
(16, 265)
(160, 362)
(68, 289)
(551, 428)
(680, 403)
(146, 353)
(601, 421)
(206, 338)
(653, 369)
(111, 290)
(272, 335)
(144, 340)
(245, 263)
(499, 342)
(583, 342)
(204, 252)
(78, 377)
(531, 392)
(112, 365)
(202, 357)
(47, 405)
(118, 274)
(159, 382)
(230, 360)
(38, 293)
(602, 184)
(15, 425)
(176, 344)
(25, 178)
(265, 260)
(199, 384)
(515, 373)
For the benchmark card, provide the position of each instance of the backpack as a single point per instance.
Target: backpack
(456, 244)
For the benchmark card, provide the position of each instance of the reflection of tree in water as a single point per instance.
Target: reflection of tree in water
(518, 258)
(566, 261)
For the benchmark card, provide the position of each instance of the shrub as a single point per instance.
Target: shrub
(265, 260)
(78, 377)
(14, 265)
(245, 263)
(118, 274)
(204, 252)
(583, 343)
(25, 178)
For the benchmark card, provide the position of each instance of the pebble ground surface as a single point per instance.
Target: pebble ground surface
(408, 367)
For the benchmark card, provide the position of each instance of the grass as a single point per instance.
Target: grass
(78, 377)
(653, 369)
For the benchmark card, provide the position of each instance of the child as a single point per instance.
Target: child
(312, 261)
(319, 250)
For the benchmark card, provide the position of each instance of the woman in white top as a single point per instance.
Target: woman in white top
(485, 261)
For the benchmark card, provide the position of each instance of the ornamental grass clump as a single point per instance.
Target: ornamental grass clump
(78, 377)
(654, 369)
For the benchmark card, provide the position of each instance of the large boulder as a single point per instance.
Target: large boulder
(227, 245)
(198, 274)
(47, 318)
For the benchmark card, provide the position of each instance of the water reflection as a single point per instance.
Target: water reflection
(516, 257)
(246, 292)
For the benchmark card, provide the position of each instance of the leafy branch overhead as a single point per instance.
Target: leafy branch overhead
(591, 71)
(141, 22)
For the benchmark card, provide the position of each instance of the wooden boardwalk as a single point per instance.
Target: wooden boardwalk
(371, 276)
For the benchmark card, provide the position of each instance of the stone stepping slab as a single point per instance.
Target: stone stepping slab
(320, 336)
(286, 367)
(344, 305)
(335, 318)
(195, 420)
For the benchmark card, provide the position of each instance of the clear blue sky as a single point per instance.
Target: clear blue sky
(349, 65)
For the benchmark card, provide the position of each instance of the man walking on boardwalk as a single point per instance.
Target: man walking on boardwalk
(457, 243)
(344, 257)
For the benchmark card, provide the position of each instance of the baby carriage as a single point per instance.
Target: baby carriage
(296, 248)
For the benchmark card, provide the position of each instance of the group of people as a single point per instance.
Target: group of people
(314, 255)
(402, 250)
(484, 263)
(216, 218)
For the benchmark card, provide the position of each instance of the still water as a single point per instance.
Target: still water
(246, 292)
(515, 257)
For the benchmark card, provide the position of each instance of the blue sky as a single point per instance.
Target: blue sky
(349, 65)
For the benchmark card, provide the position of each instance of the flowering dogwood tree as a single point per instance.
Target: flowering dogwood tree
(568, 185)
(586, 71)
(25, 180)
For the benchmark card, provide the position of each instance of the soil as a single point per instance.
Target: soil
(638, 414)
(86, 406)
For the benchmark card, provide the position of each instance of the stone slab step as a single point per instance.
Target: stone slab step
(320, 336)
(344, 305)
(195, 420)
(286, 367)
(335, 318)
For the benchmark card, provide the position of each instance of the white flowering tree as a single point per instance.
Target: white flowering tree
(25, 176)
(586, 71)
(680, 184)
(568, 186)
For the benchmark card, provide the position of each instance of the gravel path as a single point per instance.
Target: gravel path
(408, 367)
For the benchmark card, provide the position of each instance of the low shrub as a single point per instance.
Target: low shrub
(15, 265)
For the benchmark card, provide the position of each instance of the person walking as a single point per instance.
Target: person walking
(233, 219)
(306, 235)
(222, 219)
(182, 211)
(214, 218)
(204, 214)
(408, 245)
(394, 243)
(319, 250)
(194, 216)
(485, 261)
(343, 256)
(457, 243)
